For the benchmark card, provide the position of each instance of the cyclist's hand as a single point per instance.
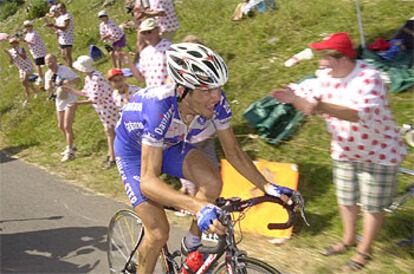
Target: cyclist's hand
(207, 220)
(277, 191)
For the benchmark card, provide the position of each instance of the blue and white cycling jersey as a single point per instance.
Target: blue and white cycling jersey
(151, 117)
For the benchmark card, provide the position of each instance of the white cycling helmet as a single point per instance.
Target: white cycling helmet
(196, 66)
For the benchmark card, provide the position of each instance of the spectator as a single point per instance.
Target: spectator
(20, 59)
(164, 12)
(366, 147)
(64, 28)
(55, 77)
(99, 93)
(53, 11)
(152, 59)
(122, 91)
(37, 48)
(139, 16)
(110, 32)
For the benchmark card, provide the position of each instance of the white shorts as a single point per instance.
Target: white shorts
(62, 105)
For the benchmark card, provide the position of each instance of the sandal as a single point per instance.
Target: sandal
(353, 265)
(333, 250)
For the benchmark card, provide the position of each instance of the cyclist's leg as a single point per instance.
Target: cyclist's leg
(156, 235)
(185, 161)
(200, 170)
(152, 215)
(204, 174)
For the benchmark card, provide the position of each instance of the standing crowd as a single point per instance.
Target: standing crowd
(168, 125)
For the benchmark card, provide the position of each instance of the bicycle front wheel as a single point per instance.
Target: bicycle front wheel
(247, 266)
(124, 234)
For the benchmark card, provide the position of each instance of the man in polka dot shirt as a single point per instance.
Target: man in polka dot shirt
(152, 59)
(366, 147)
(37, 48)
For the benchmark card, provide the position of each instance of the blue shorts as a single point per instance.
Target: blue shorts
(129, 168)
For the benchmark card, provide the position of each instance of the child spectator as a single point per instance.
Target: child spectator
(99, 93)
(20, 59)
(122, 91)
(110, 32)
(37, 48)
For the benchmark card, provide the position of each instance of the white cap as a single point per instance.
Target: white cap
(53, 9)
(28, 23)
(147, 24)
(84, 64)
(102, 13)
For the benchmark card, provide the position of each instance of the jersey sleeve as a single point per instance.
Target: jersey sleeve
(222, 113)
(157, 117)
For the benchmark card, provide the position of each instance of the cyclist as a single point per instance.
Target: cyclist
(153, 136)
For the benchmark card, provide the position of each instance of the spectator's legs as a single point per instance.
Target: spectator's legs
(116, 59)
(110, 137)
(67, 56)
(156, 234)
(39, 71)
(372, 223)
(26, 84)
(349, 216)
(113, 57)
(61, 122)
(69, 115)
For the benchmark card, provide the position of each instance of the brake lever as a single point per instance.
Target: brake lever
(300, 204)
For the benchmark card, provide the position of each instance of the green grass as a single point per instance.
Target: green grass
(256, 67)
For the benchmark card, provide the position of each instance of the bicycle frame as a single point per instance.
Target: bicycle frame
(227, 244)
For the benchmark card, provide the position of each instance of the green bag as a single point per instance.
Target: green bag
(273, 120)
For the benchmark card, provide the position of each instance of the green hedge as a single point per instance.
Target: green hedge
(38, 9)
(9, 7)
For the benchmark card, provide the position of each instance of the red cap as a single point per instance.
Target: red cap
(113, 72)
(339, 41)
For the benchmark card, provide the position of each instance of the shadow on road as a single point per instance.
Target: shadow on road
(6, 154)
(52, 251)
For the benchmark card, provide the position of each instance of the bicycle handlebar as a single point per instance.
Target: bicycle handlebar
(238, 205)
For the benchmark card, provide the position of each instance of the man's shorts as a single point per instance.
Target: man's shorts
(372, 185)
(40, 61)
(65, 46)
(62, 105)
(129, 168)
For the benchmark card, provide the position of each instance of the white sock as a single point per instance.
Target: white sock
(192, 241)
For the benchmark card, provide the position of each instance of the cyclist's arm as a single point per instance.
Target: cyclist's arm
(239, 159)
(156, 189)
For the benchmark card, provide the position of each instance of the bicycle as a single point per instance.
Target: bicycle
(122, 252)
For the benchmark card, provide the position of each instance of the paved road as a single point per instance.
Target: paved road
(50, 226)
